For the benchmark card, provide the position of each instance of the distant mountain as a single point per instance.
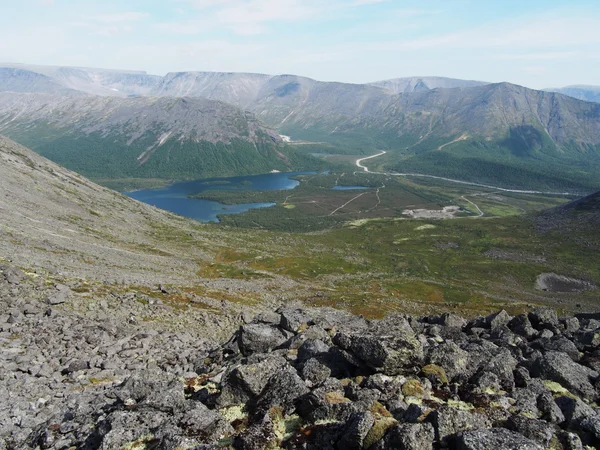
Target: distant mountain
(115, 83)
(145, 137)
(20, 80)
(587, 93)
(420, 84)
(490, 133)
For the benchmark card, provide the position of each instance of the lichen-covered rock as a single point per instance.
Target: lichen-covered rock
(450, 357)
(559, 367)
(391, 348)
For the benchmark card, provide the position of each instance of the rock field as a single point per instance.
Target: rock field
(294, 379)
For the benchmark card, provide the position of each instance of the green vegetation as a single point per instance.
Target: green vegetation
(314, 206)
(118, 162)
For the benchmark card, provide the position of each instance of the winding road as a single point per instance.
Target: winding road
(396, 174)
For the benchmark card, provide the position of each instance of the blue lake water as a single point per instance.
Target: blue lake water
(174, 198)
(348, 188)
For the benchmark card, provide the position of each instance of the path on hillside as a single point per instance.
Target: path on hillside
(470, 183)
(480, 214)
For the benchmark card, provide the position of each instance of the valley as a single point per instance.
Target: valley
(178, 252)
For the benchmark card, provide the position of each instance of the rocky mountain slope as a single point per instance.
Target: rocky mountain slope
(108, 137)
(115, 83)
(581, 92)
(420, 84)
(19, 80)
(306, 379)
(59, 227)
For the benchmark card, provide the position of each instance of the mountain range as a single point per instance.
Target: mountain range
(145, 137)
(581, 92)
(471, 130)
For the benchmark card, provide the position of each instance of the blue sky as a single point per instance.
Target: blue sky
(534, 43)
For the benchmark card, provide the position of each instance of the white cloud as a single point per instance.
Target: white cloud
(242, 17)
(109, 25)
(130, 16)
(367, 2)
(538, 56)
(47, 2)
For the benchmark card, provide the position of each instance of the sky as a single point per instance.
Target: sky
(539, 44)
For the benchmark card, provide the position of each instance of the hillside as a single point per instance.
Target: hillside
(108, 304)
(145, 137)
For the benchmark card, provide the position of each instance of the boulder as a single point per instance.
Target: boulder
(448, 421)
(534, 429)
(559, 367)
(408, 436)
(391, 347)
(522, 326)
(358, 426)
(543, 318)
(244, 382)
(496, 439)
(260, 338)
(282, 390)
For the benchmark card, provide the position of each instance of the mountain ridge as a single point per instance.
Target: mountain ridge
(168, 138)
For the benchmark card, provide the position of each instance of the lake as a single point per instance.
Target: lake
(175, 198)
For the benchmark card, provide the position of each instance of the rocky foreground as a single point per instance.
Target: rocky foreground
(295, 379)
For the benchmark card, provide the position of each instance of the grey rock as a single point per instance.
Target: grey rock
(497, 320)
(536, 430)
(571, 324)
(77, 365)
(356, 430)
(392, 350)
(204, 423)
(12, 275)
(258, 436)
(591, 424)
(293, 319)
(449, 421)
(522, 326)
(57, 298)
(408, 436)
(564, 345)
(315, 372)
(549, 409)
(282, 390)
(451, 358)
(260, 338)
(542, 318)
(312, 348)
(247, 381)
(559, 367)
(495, 438)
(453, 321)
(574, 410)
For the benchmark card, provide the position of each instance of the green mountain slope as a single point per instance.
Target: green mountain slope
(164, 138)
